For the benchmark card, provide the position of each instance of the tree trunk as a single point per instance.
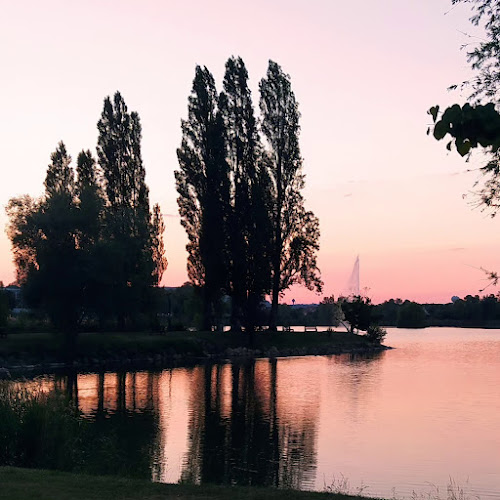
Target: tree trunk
(237, 304)
(251, 313)
(207, 311)
(275, 300)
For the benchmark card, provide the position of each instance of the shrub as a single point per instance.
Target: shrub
(375, 334)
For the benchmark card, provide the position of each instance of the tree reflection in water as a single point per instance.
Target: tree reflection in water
(120, 428)
(237, 434)
(231, 424)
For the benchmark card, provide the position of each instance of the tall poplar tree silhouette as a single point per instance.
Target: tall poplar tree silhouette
(295, 230)
(249, 220)
(128, 218)
(203, 186)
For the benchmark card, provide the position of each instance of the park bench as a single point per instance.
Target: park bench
(310, 329)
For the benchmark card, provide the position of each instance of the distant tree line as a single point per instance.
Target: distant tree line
(239, 183)
(470, 311)
(358, 313)
(91, 248)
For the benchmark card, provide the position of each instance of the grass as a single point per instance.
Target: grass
(33, 348)
(27, 484)
(454, 491)
(46, 430)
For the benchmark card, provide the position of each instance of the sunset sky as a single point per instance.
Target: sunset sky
(364, 74)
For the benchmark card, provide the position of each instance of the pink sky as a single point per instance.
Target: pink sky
(364, 75)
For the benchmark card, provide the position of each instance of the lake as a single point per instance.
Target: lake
(405, 420)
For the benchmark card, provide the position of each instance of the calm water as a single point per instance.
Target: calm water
(402, 421)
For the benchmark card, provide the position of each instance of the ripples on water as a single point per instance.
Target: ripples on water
(398, 422)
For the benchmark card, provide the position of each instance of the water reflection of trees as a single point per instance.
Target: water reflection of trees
(239, 432)
(120, 419)
(250, 423)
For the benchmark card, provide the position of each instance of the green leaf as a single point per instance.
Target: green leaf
(434, 112)
(463, 147)
(440, 130)
(453, 114)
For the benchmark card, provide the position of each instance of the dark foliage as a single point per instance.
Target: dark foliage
(90, 250)
(358, 312)
(249, 219)
(295, 230)
(47, 431)
(203, 186)
(411, 315)
(4, 309)
(477, 124)
(241, 205)
(469, 311)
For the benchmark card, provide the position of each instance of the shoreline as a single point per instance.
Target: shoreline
(117, 352)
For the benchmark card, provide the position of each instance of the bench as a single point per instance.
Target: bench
(310, 329)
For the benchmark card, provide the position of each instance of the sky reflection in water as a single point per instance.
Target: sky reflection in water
(401, 421)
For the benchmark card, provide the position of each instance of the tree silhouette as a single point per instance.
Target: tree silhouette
(295, 230)
(44, 235)
(203, 186)
(86, 248)
(249, 222)
(128, 253)
(157, 246)
(358, 312)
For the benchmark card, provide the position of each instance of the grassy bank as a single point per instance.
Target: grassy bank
(26, 484)
(94, 348)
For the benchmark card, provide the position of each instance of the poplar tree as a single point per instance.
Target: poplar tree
(295, 230)
(127, 221)
(59, 274)
(91, 213)
(91, 202)
(157, 245)
(248, 221)
(203, 186)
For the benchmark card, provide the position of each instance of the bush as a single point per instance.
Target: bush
(36, 429)
(375, 334)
